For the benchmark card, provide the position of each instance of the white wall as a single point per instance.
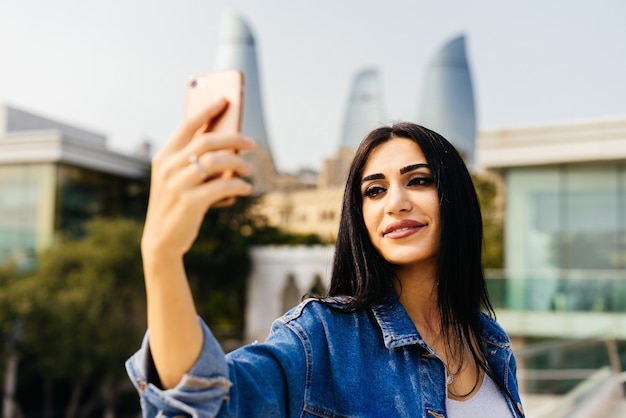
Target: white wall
(272, 268)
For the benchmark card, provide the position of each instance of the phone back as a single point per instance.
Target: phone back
(203, 89)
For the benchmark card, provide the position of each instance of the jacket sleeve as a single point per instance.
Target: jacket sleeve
(269, 378)
(199, 393)
(257, 380)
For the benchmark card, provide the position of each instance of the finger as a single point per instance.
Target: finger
(216, 141)
(228, 201)
(221, 192)
(209, 167)
(193, 122)
(194, 202)
(213, 142)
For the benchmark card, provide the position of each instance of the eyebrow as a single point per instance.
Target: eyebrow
(412, 167)
(403, 170)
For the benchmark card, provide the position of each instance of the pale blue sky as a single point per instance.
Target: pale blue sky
(119, 67)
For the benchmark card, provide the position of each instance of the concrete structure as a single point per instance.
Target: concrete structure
(279, 279)
(237, 49)
(447, 104)
(54, 177)
(305, 211)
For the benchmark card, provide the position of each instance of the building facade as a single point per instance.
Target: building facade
(54, 177)
(565, 226)
(280, 277)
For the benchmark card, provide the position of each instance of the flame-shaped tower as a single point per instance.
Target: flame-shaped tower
(448, 98)
(236, 49)
(364, 112)
(365, 109)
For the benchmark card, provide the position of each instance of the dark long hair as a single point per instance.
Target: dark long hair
(361, 273)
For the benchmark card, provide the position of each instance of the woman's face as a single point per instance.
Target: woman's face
(400, 203)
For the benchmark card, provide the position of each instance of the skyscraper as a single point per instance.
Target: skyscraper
(237, 49)
(365, 109)
(447, 104)
(364, 112)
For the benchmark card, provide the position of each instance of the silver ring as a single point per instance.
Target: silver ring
(193, 159)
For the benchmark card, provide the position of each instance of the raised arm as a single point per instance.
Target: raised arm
(185, 182)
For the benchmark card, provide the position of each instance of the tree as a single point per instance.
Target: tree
(83, 309)
(488, 196)
(10, 330)
(82, 312)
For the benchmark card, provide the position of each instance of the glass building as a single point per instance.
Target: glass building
(562, 293)
(365, 110)
(54, 177)
(565, 224)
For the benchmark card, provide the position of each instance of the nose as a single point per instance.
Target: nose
(397, 200)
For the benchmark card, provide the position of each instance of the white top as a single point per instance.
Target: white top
(488, 402)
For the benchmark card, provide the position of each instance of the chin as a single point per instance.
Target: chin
(409, 258)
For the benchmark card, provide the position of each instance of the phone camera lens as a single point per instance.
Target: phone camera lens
(194, 82)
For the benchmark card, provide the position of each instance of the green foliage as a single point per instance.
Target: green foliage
(82, 310)
(493, 250)
(9, 306)
(85, 302)
(271, 235)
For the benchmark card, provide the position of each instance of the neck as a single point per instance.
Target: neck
(416, 288)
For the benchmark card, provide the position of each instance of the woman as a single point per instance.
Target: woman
(400, 334)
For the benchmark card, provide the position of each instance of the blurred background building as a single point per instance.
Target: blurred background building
(447, 99)
(54, 177)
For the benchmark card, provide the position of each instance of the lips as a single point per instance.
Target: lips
(402, 229)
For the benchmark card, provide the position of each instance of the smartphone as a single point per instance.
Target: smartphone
(203, 89)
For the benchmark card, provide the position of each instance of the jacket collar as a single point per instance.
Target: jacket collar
(397, 327)
(399, 330)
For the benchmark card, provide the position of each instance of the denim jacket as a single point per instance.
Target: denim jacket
(319, 362)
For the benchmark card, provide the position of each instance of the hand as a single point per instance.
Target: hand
(186, 181)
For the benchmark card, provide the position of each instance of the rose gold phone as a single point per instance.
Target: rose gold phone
(203, 89)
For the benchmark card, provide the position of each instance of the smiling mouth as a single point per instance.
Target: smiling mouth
(402, 232)
(402, 229)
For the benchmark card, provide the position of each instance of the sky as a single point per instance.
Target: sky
(119, 68)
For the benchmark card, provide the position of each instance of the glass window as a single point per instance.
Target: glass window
(565, 237)
(85, 194)
(25, 210)
(531, 233)
(590, 218)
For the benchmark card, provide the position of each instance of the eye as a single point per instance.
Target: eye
(421, 181)
(373, 191)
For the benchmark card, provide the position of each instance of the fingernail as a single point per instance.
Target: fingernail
(249, 141)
